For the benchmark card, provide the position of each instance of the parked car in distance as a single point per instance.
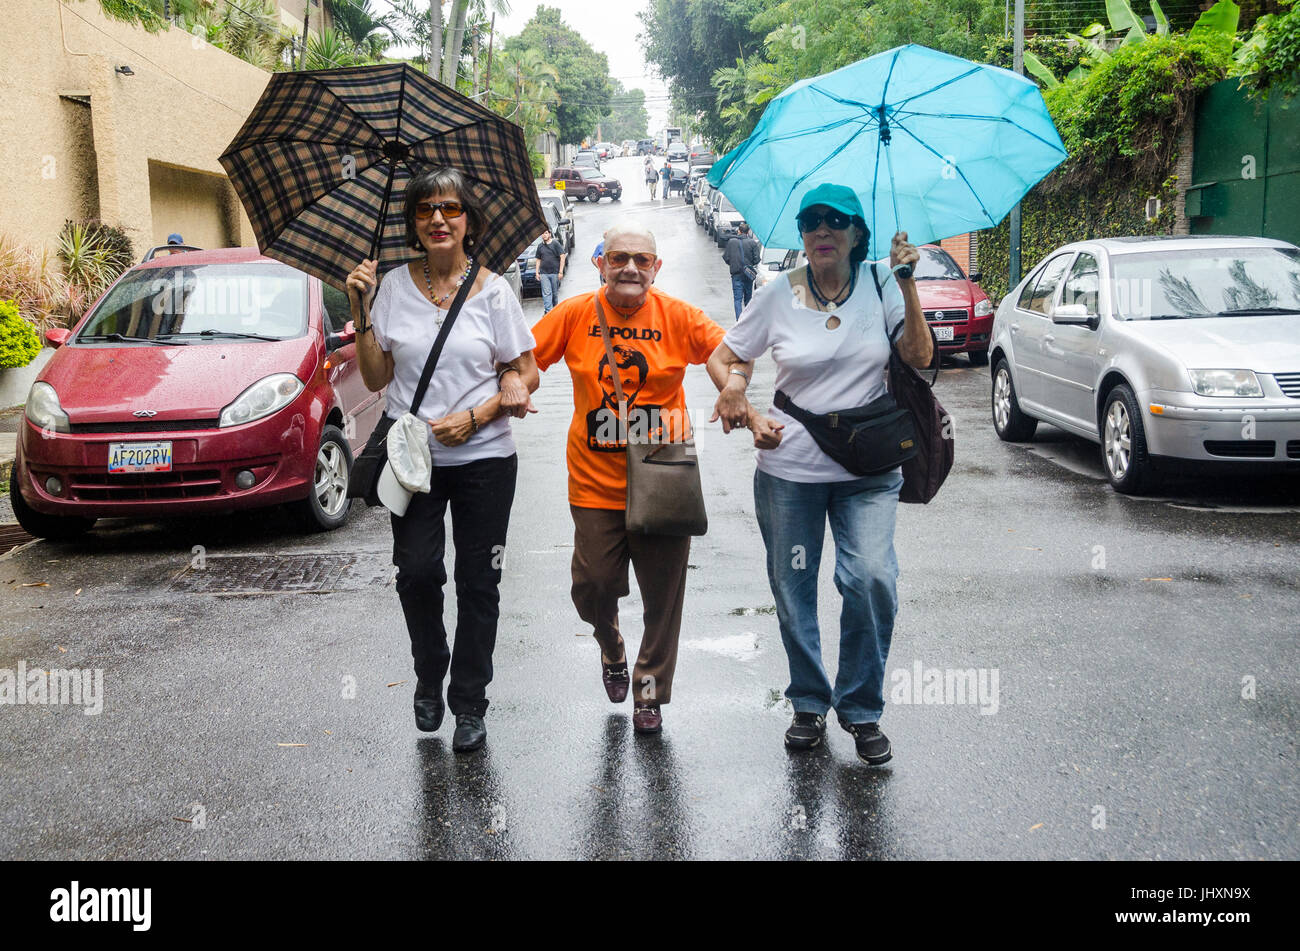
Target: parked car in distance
(199, 383)
(586, 158)
(561, 201)
(587, 184)
(1170, 352)
(645, 147)
(704, 204)
(699, 155)
(693, 179)
(724, 221)
(774, 261)
(956, 307)
(677, 180)
(677, 152)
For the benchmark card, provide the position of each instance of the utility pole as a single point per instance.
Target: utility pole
(474, 54)
(1013, 243)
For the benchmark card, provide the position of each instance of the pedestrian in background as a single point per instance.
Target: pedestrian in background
(826, 327)
(484, 376)
(595, 259)
(655, 337)
(665, 173)
(651, 176)
(742, 254)
(549, 269)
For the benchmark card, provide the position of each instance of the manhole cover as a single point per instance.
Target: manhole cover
(300, 573)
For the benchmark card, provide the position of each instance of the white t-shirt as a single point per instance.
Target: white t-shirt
(490, 329)
(821, 370)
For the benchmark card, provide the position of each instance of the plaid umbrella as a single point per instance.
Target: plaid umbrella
(324, 158)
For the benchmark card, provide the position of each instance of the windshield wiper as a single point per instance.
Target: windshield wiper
(1256, 311)
(123, 338)
(221, 333)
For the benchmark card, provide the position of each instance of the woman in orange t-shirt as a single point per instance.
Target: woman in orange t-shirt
(654, 337)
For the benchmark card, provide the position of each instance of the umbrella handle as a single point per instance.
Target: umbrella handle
(903, 271)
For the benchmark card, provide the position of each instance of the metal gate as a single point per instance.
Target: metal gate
(1245, 166)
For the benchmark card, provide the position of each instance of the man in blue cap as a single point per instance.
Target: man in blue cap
(175, 238)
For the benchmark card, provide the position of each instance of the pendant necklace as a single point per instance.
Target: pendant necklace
(832, 303)
(439, 301)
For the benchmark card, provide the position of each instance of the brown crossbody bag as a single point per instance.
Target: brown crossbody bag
(664, 495)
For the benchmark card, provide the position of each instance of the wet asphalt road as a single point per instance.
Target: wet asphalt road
(1120, 684)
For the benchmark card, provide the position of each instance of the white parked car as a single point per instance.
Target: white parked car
(1171, 352)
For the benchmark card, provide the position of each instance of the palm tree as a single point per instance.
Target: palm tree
(367, 31)
(524, 90)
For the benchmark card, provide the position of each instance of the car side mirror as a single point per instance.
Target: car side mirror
(57, 336)
(341, 339)
(1071, 314)
(565, 221)
(975, 277)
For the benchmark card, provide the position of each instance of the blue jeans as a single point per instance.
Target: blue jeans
(742, 289)
(550, 290)
(792, 517)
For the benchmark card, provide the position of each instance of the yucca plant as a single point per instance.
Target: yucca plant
(93, 256)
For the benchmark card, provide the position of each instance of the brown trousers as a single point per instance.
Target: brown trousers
(602, 547)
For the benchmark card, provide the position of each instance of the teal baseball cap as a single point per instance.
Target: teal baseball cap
(840, 197)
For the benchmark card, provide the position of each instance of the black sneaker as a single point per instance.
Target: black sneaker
(471, 733)
(805, 732)
(873, 746)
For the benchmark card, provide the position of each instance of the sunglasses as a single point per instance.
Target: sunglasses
(644, 260)
(810, 220)
(450, 209)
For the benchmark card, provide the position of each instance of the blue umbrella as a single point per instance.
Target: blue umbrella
(933, 144)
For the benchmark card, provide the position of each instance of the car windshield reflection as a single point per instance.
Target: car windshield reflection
(1212, 282)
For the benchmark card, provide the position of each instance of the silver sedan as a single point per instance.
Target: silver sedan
(1171, 352)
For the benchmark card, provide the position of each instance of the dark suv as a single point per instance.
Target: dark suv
(586, 183)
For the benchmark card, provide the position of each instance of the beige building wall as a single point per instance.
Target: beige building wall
(140, 151)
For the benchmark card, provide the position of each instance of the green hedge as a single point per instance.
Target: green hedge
(19, 342)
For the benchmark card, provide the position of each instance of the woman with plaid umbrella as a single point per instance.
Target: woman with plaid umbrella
(484, 376)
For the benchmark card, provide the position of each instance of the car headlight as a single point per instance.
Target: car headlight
(1225, 383)
(44, 411)
(984, 308)
(263, 398)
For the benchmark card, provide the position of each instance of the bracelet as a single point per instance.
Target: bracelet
(504, 372)
(739, 373)
(472, 422)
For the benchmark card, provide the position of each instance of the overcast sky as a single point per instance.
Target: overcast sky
(611, 28)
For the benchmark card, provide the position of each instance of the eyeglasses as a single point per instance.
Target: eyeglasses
(450, 209)
(810, 220)
(644, 260)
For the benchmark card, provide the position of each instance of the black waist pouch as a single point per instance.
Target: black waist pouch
(867, 440)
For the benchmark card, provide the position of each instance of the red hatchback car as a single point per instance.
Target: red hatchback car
(203, 382)
(955, 306)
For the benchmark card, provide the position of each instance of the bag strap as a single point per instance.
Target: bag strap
(613, 365)
(898, 332)
(436, 352)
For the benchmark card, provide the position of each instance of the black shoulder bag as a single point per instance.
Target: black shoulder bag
(363, 482)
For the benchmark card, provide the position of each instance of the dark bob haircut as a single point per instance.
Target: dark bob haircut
(440, 181)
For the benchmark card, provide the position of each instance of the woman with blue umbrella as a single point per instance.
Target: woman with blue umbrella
(969, 139)
(826, 326)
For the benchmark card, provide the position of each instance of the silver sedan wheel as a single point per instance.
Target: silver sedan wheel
(331, 478)
(1002, 399)
(1119, 439)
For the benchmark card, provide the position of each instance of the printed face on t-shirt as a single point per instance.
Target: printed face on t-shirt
(632, 369)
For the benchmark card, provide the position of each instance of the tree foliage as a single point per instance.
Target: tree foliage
(630, 119)
(1271, 60)
(583, 82)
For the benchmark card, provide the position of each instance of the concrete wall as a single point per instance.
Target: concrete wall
(83, 140)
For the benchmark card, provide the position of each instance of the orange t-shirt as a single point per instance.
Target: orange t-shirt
(652, 348)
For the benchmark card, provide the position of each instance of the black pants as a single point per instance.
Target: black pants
(480, 494)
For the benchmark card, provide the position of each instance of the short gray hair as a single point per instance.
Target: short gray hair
(634, 229)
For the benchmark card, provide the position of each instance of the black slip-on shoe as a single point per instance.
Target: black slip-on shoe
(873, 746)
(805, 732)
(429, 707)
(471, 733)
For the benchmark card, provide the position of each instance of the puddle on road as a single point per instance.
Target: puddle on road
(737, 646)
